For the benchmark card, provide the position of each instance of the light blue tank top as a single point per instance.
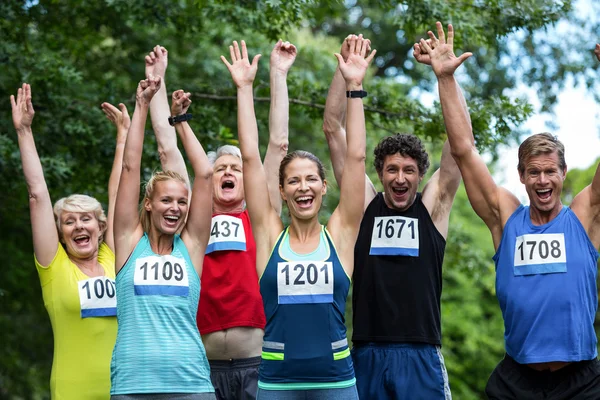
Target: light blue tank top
(546, 287)
(158, 348)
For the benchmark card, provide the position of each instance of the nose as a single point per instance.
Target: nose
(543, 178)
(228, 170)
(78, 224)
(303, 185)
(400, 178)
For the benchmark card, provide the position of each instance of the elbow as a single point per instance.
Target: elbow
(280, 145)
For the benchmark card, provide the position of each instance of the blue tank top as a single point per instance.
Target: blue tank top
(546, 287)
(305, 344)
(158, 348)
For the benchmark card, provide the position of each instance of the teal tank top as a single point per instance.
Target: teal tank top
(158, 348)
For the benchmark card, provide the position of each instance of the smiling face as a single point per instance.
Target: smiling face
(168, 206)
(228, 183)
(80, 233)
(400, 178)
(543, 179)
(303, 189)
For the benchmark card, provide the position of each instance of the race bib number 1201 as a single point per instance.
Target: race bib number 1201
(301, 282)
(542, 253)
(97, 297)
(395, 236)
(161, 275)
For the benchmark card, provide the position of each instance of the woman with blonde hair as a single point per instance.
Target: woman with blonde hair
(304, 269)
(73, 248)
(158, 350)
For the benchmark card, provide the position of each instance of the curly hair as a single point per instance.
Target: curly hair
(405, 144)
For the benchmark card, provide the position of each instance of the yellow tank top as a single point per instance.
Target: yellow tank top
(82, 345)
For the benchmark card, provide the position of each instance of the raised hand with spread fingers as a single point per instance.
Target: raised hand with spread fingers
(440, 52)
(242, 71)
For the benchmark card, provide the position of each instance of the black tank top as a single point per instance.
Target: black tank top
(397, 288)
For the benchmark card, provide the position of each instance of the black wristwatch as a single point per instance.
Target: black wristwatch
(356, 93)
(179, 118)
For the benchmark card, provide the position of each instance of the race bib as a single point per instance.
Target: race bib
(543, 253)
(97, 297)
(226, 233)
(301, 282)
(395, 236)
(161, 275)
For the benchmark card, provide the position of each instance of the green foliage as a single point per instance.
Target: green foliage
(77, 54)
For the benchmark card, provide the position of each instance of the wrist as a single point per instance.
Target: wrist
(245, 88)
(353, 86)
(23, 129)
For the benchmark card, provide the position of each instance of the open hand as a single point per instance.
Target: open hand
(242, 72)
(147, 88)
(119, 117)
(283, 56)
(355, 67)
(441, 52)
(181, 102)
(345, 50)
(157, 61)
(22, 108)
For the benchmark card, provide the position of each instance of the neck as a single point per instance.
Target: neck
(304, 230)
(161, 243)
(237, 207)
(539, 217)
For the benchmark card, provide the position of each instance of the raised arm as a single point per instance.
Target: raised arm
(334, 124)
(492, 203)
(127, 227)
(170, 156)
(282, 58)
(43, 227)
(266, 223)
(586, 204)
(345, 220)
(197, 228)
(120, 118)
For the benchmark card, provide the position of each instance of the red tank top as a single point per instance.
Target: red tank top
(230, 294)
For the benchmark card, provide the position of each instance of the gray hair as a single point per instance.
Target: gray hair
(80, 203)
(224, 150)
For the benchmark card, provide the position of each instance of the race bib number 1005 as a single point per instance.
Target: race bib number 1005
(543, 253)
(97, 297)
(395, 236)
(161, 275)
(301, 282)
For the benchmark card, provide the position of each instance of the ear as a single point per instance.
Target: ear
(564, 172)
(324, 189)
(147, 204)
(521, 177)
(281, 193)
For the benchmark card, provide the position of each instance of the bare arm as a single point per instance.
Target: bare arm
(166, 139)
(334, 123)
(345, 220)
(197, 228)
(43, 227)
(120, 118)
(282, 58)
(127, 227)
(493, 204)
(266, 223)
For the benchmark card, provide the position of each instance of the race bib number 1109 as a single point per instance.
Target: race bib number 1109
(161, 275)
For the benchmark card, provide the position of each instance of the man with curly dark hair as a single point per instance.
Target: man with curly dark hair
(397, 262)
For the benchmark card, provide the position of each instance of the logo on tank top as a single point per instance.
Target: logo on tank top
(97, 297)
(161, 275)
(302, 282)
(226, 233)
(542, 253)
(395, 236)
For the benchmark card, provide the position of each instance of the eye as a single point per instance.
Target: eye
(183, 202)
(69, 222)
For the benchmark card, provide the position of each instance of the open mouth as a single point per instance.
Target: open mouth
(304, 201)
(400, 191)
(171, 220)
(82, 240)
(544, 194)
(227, 185)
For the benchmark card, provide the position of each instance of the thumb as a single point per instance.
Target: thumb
(255, 60)
(340, 58)
(463, 57)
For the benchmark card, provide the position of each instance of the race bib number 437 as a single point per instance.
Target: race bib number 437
(395, 236)
(97, 297)
(301, 282)
(161, 275)
(226, 233)
(543, 253)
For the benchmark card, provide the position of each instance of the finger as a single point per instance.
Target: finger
(13, 103)
(278, 44)
(359, 44)
(368, 44)
(425, 45)
(340, 59)
(109, 107)
(371, 56)
(440, 31)
(177, 94)
(148, 60)
(352, 44)
(462, 58)
(255, 60)
(244, 50)
(232, 54)
(19, 96)
(236, 49)
(188, 95)
(432, 41)
(363, 49)
(124, 111)
(416, 50)
(226, 62)
(450, 35)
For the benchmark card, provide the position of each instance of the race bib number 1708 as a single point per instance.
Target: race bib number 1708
(543, 253)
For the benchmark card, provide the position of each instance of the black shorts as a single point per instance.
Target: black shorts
(235, 379)
(577, 381)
